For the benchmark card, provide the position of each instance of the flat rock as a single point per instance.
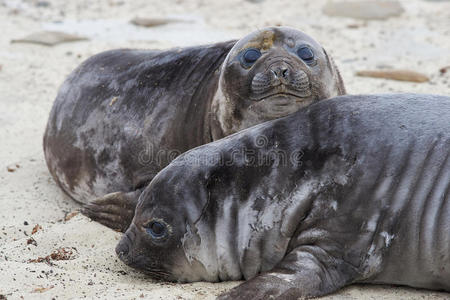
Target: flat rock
(49, 38)
(12, 168)
(364, 10)
(152, 22)
(401, 75)
(42, 4)
(442, 70)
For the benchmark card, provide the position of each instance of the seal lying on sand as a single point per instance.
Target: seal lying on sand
(125, 114)
(350, 189)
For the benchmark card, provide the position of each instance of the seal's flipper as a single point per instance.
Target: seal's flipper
(115, 210)
(307, 271)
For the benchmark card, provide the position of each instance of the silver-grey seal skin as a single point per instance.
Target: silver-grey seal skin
(123, 115)
(350, 189)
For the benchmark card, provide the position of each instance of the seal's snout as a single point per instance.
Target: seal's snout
(280, 72)
(123, 249)
(280, 78)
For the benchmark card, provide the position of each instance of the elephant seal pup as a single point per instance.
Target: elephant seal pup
(350, 189)
(123, 115)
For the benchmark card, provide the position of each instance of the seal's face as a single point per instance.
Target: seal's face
(197, 222)
(272, 70)
(272, 73)
(154, 241)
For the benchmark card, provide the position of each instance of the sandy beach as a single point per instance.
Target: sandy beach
(30, 74)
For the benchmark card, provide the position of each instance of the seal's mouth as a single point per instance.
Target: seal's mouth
(131, 252)
(278, 105)
(158, 274)
(287, 97)
(141, 262)
(293, 91)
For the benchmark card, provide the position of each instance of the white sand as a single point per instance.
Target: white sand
(31, 74)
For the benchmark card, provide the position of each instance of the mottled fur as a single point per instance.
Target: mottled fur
(367, 201)
(123, 115)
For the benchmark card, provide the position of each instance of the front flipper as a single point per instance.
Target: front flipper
(306, 272)
(115, 210)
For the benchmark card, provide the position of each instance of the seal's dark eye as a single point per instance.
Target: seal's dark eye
(156, 229)
(251, 55)
(306, 54)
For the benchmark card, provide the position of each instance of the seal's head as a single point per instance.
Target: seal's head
(203, 218)
(271, 73)
(164, 225)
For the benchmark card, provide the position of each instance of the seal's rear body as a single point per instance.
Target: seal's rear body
(396, 191)
(123, 115)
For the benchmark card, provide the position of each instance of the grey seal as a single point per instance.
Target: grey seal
(350, 189)
(123, 115)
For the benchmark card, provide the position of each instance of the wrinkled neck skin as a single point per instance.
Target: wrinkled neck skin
(221, 109)
(227, 118)
(235, 238)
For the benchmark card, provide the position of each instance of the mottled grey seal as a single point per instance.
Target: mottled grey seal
(123, 115)
(350, 189)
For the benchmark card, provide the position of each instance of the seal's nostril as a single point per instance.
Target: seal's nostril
(274, 73)
(280, 72)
